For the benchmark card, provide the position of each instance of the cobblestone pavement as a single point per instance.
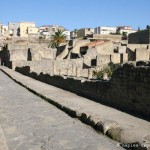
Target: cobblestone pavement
(29, 123)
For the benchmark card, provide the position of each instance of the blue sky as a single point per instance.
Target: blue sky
(77, 13)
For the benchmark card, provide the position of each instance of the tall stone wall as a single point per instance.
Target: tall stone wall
(19, 51)
(127, 90)
(141, 37)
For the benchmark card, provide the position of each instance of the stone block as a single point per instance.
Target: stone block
(102, 59)
(141, 54)
(90, 73)
(115, 58)
(124, 57)
(121, 49)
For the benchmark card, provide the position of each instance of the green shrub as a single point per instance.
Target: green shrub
(100, 74)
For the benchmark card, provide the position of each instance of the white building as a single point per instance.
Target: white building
(48, 30)
(4, 29)
(126, 29)
(46, 34)
(67, 34)
(1, 28)
(105, 30)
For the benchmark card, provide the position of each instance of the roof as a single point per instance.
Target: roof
(54, 26)
(128, 29)
(106, 27)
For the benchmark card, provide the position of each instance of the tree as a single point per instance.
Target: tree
(139, 29)
(124, 35)
(147, 27)
(57, 38)
(117, 32)
(75, 32)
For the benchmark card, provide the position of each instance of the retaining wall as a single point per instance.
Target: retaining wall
(127, 90)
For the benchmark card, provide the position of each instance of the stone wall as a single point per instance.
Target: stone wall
(89, 56)
(20, 51)
(32, 54)
(106, 48)
(107, 37)
(131, 50)
(134, 46)
(103, 59)
(45, 65)
(142, 54)
(67, 65)
(128, 89)
(140, 37)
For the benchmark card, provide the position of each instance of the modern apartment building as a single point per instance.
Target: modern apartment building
(1, 28)
(84, 32)
(48, 30)
(33, 31)
(125, 29)
(67, 34)
(4, 29)
(24, 28)
(105, 30)
(14, 28)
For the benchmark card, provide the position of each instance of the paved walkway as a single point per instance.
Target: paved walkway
(114, 123)
(28, 122)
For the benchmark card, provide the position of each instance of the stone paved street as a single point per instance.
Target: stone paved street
(29, 123)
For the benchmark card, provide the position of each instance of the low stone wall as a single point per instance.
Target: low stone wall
(71, 67)
(128, 89)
